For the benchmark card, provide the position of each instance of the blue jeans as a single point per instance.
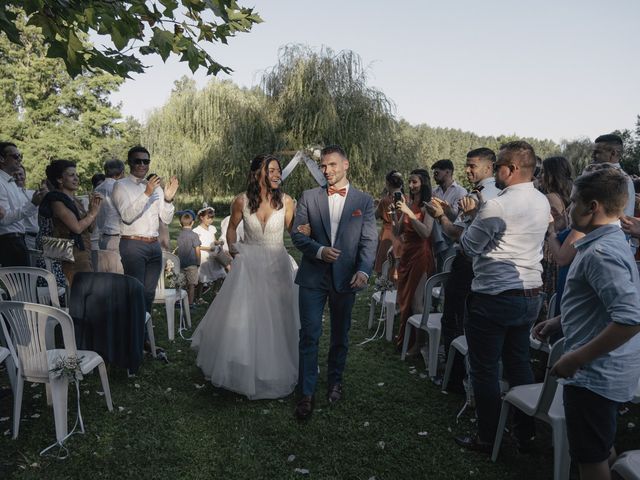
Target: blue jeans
(142, 261)
(312, 302)
(497, 327)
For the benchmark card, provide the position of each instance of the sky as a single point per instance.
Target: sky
(561, 69)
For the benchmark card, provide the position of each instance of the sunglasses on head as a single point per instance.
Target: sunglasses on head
(140, 161)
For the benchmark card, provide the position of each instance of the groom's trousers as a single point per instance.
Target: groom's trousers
(312, 302)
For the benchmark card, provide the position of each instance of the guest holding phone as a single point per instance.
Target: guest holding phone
(386, 212)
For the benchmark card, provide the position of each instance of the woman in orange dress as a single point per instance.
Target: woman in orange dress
(416, 256)
(387, 239)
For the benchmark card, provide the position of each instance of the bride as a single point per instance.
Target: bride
(247, 341)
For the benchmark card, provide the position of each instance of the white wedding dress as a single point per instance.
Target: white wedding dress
(248, 340)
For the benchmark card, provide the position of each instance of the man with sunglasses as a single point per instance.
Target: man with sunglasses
(142, 204)
(505, 243)
(17, 207)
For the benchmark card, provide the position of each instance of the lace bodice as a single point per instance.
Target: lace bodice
(253, 228)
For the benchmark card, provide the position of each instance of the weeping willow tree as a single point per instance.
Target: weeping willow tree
(319, 97)
(208, 137)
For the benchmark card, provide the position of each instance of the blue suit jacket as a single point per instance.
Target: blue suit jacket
(357, 238)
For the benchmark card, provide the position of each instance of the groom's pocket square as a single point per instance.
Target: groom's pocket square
(357, 213)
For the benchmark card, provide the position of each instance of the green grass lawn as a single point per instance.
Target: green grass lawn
(168, 423)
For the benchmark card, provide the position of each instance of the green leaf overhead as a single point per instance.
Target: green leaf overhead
(134, 27)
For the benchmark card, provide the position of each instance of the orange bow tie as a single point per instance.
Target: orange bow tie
(340, 191)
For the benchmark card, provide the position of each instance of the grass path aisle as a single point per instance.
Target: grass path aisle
(168, 423)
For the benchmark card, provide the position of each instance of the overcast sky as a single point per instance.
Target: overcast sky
(546, 69)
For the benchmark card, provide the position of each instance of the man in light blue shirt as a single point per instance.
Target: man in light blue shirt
(601, 363)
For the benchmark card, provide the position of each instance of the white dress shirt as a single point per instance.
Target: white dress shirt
(17, 207)
(505, 240)
(336, 205)
(138, 212)
(30, 222)
(108, 220)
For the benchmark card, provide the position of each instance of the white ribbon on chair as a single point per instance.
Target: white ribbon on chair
(79, 421)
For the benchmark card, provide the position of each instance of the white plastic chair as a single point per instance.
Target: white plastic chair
(4, 353)
(427, 321)
(169, 296)
(438, 292)
(388, 301)
(23, 325)
(21, 285)
(458, 345)
(544, 402)
(627, 465)
(534, 342)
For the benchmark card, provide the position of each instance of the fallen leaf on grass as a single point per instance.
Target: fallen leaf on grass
(366, 424)
(7, 432)
(36, 396)
(121, 409)
(34, 465)
(302, 471)
(423, 434)
(381, 445)
(381, 384)
(168, 389)
(198, 387)
(291, 458)
(179, 351)
(630, 425)
(265, 412)
(423, 375)
(136, 385)
(35, 415)
(100, 393)
(4, 419)
(34, 385)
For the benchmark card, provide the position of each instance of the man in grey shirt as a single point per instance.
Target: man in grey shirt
(505, 242)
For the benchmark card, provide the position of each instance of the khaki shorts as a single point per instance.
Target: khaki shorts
(191, 274)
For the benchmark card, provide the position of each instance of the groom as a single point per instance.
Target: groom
(337, 260)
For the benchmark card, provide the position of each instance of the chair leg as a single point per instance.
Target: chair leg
(47, 390)
(448, 367)
(405, 342)
(391, 315)
(60, 393)
(372, 311)
(17, 405)
(434, 345)
(102, 369)
(152, 337)
(185, 309)
(502, 422)
(170, 308)
(561, 459)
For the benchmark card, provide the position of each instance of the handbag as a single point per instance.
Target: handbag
(60, 249)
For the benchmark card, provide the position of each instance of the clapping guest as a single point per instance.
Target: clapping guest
(416, 263)
(68, 217)
(505, 242)
(96, 180)
(31, 222)
(385, 211)
(108, 221)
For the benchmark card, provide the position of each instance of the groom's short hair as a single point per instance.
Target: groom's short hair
(328, 150)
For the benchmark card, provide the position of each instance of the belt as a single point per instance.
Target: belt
(32, 234)
(530, 292)
(12, 235)
(115, 235)
(140, 239)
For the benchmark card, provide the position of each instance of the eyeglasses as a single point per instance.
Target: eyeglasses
(140, 161)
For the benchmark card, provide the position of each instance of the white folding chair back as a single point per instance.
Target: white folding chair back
(427, 321)
(4, 353)
(21, 285)
(544, 402)
(458, 345)
(169, 296)
(24, 326)
(448, 263)
(627, 465)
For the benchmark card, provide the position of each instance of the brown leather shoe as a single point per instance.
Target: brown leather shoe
(334, 393)
(304, 408)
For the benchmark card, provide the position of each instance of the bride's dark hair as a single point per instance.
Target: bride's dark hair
(258, 165)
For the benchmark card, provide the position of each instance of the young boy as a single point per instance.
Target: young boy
(601, 363)
(189, 253)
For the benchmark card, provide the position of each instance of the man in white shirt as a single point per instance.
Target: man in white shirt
(108, 219)
(608, 149)
(447, 189)
(142, 204)
(31, 227)
(505, 242)
(17, 207)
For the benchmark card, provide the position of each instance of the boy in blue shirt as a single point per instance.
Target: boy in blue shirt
(189, 252)
(601, 363)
